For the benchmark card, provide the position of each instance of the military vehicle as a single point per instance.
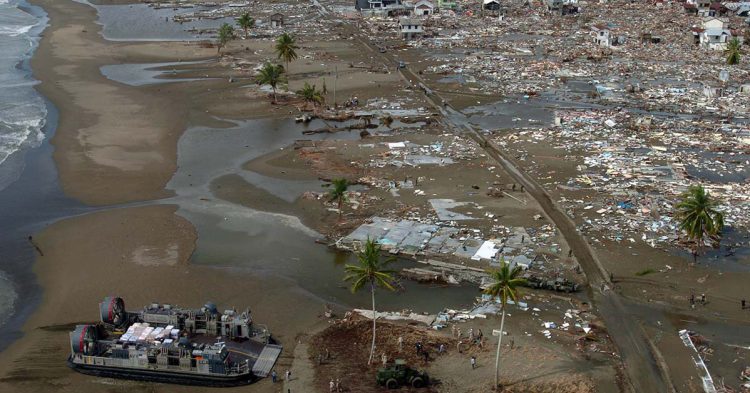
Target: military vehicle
(399, 374)
(558, 284)
(163, 343)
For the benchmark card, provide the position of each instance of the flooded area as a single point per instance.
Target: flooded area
(142, 22)
(232, 236)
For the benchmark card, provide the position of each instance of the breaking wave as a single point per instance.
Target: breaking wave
(23, 111)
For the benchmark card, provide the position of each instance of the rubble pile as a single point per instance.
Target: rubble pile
(653, 63)
(451, 149)
(639, 166)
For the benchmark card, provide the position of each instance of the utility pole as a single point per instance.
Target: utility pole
(335, 78)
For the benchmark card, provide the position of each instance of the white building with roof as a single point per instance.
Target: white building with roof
(715, 34)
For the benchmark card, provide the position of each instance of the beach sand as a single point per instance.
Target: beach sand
(140, 254)
(116, 144)
(113, 145)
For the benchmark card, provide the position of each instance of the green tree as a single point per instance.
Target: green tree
(699, 218)
(311, 94)
(733, 51)
(273, 75)
(504, 284)
(226, 34)
(245, 22)
(286, 48)
(371, 271)
(338, 192)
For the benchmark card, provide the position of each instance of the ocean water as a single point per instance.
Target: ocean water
(23, 113)
(23, 110)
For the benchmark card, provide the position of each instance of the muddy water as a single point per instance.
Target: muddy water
(150, 73)
(232, 236)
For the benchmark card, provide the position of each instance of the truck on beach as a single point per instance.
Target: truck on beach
(167, 344)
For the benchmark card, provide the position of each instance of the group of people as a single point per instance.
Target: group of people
(702, 301)
(335, 386)
(474, 338)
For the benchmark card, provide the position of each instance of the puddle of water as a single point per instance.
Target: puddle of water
(147, 73)
(733, 255)
(511, 114)
(457, 78)
(288, 190)
(139, 22)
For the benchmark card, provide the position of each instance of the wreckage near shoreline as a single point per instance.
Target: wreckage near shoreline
(162, 343)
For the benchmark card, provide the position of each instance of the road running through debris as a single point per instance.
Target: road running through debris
(644, 372)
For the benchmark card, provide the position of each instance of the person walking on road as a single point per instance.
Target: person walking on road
(274, 377)
(473, 362)
(742, 302)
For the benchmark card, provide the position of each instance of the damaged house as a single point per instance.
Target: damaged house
(447, 4)
(410, 28)
(389, 7)
(714, 34)
(423, 8)
(602, 35)
(561, 7)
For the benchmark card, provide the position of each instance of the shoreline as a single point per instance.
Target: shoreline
(95, 168)
(117, 149)
(105, 133)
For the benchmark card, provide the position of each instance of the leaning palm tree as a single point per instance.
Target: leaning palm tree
(272, 75)
(226, 34)
(733, 51)
(504, 283)
(286, 48)
(338, 192)
(311, 94)
(699, 218)
(370, 271)
(246, 22)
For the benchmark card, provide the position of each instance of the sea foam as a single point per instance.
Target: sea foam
(23, 111)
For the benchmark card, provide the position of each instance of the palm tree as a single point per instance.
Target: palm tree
(311, 94)
(338, 192)
(226, 34)
(699, 218)
(273, 75)
(286, 48)
(733, 51)
(246, 22)
(370, 270)
(504, 283)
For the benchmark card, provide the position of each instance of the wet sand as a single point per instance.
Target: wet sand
(140, 254)
(115, 144)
